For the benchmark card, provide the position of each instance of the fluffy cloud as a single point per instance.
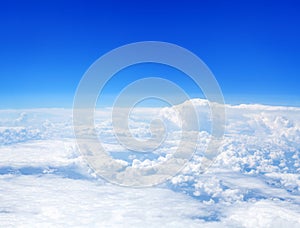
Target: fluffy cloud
(254, 181)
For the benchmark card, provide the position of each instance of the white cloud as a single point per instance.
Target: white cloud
(253, 182)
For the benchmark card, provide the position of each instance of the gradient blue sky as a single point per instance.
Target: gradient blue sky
(252, 47)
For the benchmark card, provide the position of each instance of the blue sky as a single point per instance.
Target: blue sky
(252, 47)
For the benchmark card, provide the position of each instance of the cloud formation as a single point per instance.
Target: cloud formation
(254, 181)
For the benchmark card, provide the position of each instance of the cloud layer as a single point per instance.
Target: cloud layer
(254, 180)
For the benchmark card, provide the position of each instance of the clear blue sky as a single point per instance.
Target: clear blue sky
(252, 47)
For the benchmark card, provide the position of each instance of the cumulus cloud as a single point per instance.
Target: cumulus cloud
(254, 180)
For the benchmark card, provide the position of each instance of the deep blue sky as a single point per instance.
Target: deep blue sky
(252, 47)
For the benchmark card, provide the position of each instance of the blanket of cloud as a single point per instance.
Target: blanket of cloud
(253, 182)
